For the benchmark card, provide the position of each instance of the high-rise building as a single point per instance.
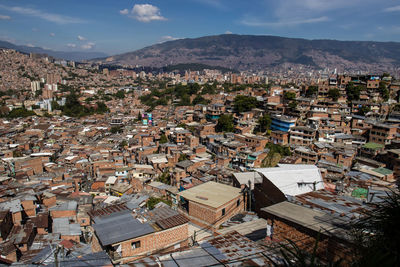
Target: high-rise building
(35, 86)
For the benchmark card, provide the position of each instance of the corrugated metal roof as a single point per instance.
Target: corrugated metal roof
(294, 179)
(119, 227)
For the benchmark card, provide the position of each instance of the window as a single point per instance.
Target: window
(135, 244)
(223, 211)
(238, 203)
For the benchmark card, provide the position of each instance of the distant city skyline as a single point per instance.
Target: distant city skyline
(121, 26)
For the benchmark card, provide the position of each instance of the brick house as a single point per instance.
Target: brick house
(383, 133)
(64, 210)
(211, 204)
(304, 226)
(127, 235)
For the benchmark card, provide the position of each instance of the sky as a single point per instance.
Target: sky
(117, 26)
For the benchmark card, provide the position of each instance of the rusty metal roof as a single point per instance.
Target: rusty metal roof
(165, 217)
(107, 210)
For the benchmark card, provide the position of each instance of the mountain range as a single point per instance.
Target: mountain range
(75, 56)
(254, 52)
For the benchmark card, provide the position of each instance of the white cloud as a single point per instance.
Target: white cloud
(35, 29)
(167, 38)
(146, 13)
(392, 9)
(81, 38)
(124, 11)
(284, 23)
(71, 45)
(228, 32)
(5, 17)
(52, 34)
(88, 46)
(30, 45)
(52, 17)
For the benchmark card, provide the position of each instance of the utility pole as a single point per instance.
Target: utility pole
(249, 193)
(56, 263)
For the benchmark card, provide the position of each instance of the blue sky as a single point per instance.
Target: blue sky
(116, 26)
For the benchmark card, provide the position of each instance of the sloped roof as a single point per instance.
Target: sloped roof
(294, 179)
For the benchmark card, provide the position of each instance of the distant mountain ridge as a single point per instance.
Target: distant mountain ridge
(75, 56)
(254, 52)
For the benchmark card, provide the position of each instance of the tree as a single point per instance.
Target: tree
(276, 152)
(353, 92)
(116, 129)
(363, 110)
(243, 103)
(123, 144)
(264, 123)
(139, 116)
(101, 107)
(20, 113)
(120, 94)
(225, 124)
(200, 100)
(293, 105)
(377, 235)
(163, 139)
(182, 157)
(312, 91)
(165, 178)
(334, 94)
(289, 95)
(384, 92)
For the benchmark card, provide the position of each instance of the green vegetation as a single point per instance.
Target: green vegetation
(153, 201)
(294, 256)
(19, 113)
(101, 108)
(225, 124)
(120, 94)
(165, 178)
(372, 145)
(334, 94)
(182, 157)
(293, 105)
(17, 154)
(73, 108)
(289, 95)
(163, 97)
(163, 139)
(123, 144)
(243, 103)
(378, 236)
(116, 129)
(275, 154)
(383, 91)
(353, 92)
(363, 110)
(210, 89)
(312, 91)
(200, 100)
(264, 124)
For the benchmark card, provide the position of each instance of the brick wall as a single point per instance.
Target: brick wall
(213, 217)
(156, 241)
(329, 248)
(62, 213)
